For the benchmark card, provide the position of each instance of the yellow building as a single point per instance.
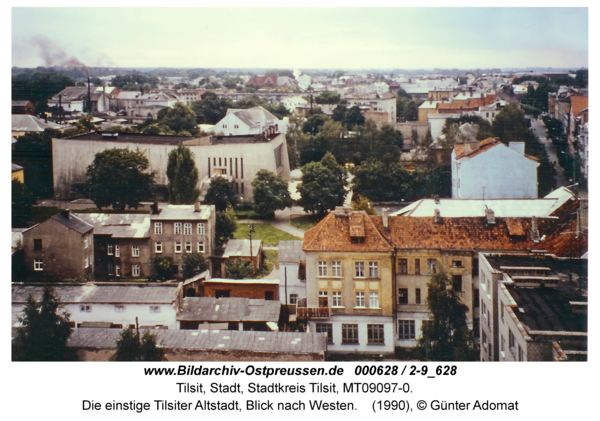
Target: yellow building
(17, 173)
(428, 107)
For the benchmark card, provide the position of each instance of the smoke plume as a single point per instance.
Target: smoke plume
(54, 55)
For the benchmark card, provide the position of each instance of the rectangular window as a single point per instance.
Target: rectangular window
(177, 226)
(431, 266)
(188, 246)
(200, 247)
(118, 270)
(323, 302)
(336, 269)
(418, 295)
(117, 251)
(293, 298)
(502, 312)
(86, 262)
(359, 269)
(37, 244)
(85, 243)
(402, 266)
(119, 309)
(457, 283)
(502, 343)
(511, 342)
(457, 264)
(489, 319)
(417, 266)
(158, 247)
(403, 296)
(187, 228)
(322, 268)
(521, 354)
(177, 246)
(375, 335)
(326, 328)
(201, 228)
(374, 299)
(406, 329)
(110, 249)
(38, 264)
(85, 308)
(154, 309)
(337, 298)
(111, 268)
(360, 299)
(135, 251)
(373, 269)
(158, 228)
(135, 270)
(349, 333)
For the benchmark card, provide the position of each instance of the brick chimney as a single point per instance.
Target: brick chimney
(66, 213)
(197, 206)
(489, 215)
(535, 233)
(385, 218)
(437, 217)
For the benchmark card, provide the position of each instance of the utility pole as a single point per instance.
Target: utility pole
(250, 231)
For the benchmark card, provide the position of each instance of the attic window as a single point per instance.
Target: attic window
(357, 240)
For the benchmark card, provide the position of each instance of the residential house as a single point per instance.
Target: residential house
(578, 104)
(17, 173)
(26, 123)
(140, 104)
(534, 308)
(269, 80)
(23, 107)
(426, 108)
(386, 106)
(490, 169)
(349, 284)
(292, 272)
(109, 305)
(253, 120)
(581, 144)
(60, 247)
(263, 288)
(244, 249)
(73, 100)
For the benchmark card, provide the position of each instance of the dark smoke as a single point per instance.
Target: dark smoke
(55, 55)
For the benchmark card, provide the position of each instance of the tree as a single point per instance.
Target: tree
(322, 185)
(328, 97)
(220, 193)
(163, 266)
(180, 118)
(270, 193)
(239, 269)
(380, 182)
(361, 203)
(210, 109)
(193, 263)
(446, 337)
(22, 202)
(118, 178)
(225, 226)
(131, 348)
(354, 118)
(314, 123)
(44, 331)
(183, 176)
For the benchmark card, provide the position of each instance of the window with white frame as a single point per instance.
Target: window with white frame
(293, 298)
(374, 299)
(117, 251)
(118, 270)
(373, 269)
(135, 251)
(135, 270)
(200, 246)
(336, 269)
(323, 302)
(177, 228)
(406, 329)
(110, 249)
(85, 243)
(86, 262)
(201, 228)
(431, 266)
(119, 309)
(359, 269)
(322, 268)
(158, 228)
(38, 264)
(188, 246)
(158, 247)
(154, 309)
(187, 228)
(337, 298)
(359, 299)
(177, 246)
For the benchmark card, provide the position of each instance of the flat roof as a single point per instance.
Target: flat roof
(210, 309)
(134, 138)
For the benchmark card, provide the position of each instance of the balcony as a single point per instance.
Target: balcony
(312, 312)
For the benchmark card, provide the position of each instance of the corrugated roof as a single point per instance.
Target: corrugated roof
(209, 309)
(118, 225)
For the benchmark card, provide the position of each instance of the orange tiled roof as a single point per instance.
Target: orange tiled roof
(565, 242)
(484, 145)
(333, 234)
(578, 103)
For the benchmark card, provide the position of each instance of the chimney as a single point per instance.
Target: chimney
(154, 208)
(436, 199)
(66, 213)
(385, 218)
(437, 217)
(471, 147)
(197, 206)
(489, 215)
(535, 233)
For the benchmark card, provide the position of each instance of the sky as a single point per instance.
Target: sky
(303, 38)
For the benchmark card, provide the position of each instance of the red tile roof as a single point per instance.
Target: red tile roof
(578, 103)
(484, 145)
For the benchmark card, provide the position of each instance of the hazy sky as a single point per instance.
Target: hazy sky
(331, 38)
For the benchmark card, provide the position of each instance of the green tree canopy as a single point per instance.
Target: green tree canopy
(220, 193)
(164, 268)
(328, 97)
(210, 109)
(193, 263)
(44, 331)
(239, 269)
(446, 337)
(118, 178)
(314, 123)
(39, 86)
(270, 193)
(322, 185)
(225, 226)
(183, 176)
(180, 118)
(380, 182)
(354, 118)
(22, 202)
(131, 348)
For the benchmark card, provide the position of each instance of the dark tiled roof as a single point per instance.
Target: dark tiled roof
(209, 309)
(73, 222)
(135, 138)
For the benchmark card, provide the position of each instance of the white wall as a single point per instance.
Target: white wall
(362, 321)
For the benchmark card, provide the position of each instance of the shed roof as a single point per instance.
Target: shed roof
(183, 212)
(118, 225)
(241, 248)
(233, 309)
(291, 252)
(70, 220)
(30, 123)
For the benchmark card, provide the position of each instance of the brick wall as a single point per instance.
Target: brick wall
(249, 290)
